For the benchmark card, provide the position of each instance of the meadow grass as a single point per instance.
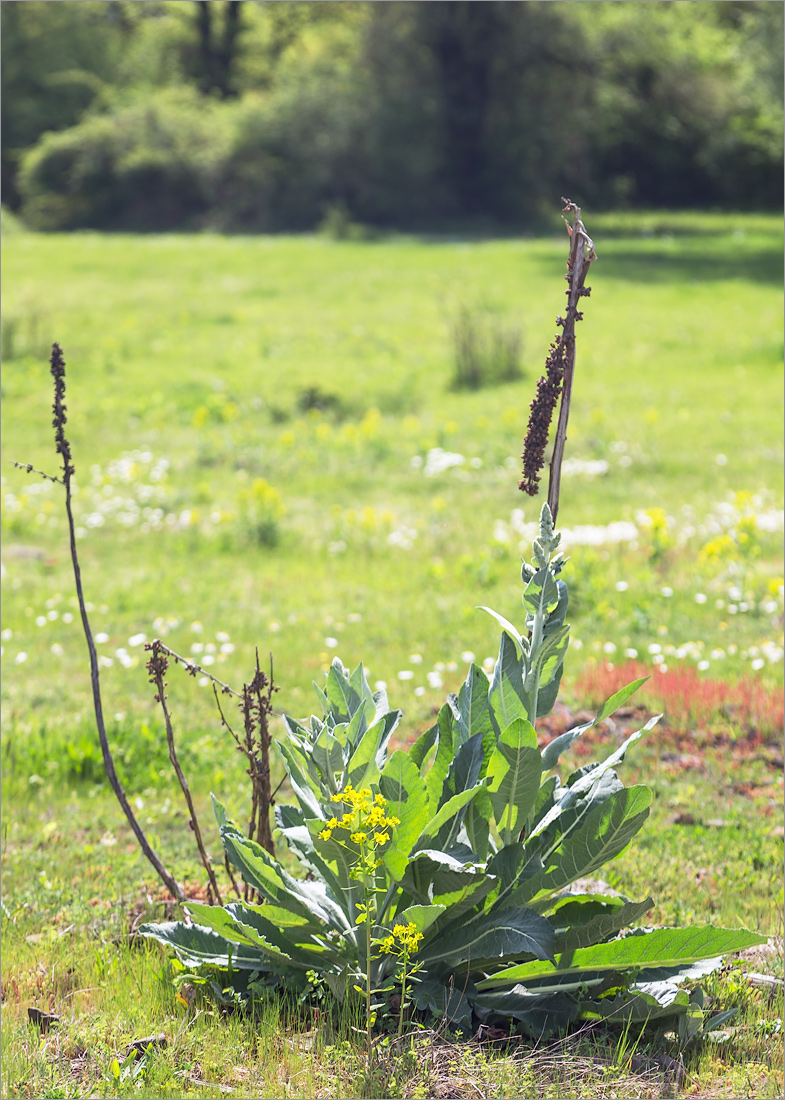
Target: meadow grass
(270, 452)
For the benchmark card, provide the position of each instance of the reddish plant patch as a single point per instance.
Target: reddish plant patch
(689, 701)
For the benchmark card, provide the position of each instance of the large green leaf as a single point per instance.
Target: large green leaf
(472, 714)
(506, 696)
(306, 790)
(295, 830)
(514, 772)
(342, 695)
(437, 773)
(421, 749)
(600, 926)
(547, 660)
(602, 833)
(583, 786)
(508, 627)
(327, 753)
(553, 750)
(477, 822)
(448, 811)
(260, 870)
(491, 936)
(465, 771)
(250, 928)
(446, 1001)
(539, 1015)
(664, 947)
(368, 756)
(421, 916)
(431, 874)
(196, 946)
(407, 799)
(541, 595)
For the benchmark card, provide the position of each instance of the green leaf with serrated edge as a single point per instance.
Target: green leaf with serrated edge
(585, 784)
(448, 811)
(541, 596)
(603, 925)
(671, 947)
(600, 835)
(471, 708)
(491, 936)
(513, 776)
(261, 871)
(437, 773)
(507, 627)
(506, 695)
(195, 946)
(421, 916)
(421, 748)
(407, 799)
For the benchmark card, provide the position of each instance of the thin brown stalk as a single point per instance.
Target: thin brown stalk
(581, 256)
(157, 666)
(64, 449)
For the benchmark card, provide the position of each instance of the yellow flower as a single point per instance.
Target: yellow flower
(359, 838)
(325, 834)
(382, 838)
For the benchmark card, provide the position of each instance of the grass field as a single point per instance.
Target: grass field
(270, 451)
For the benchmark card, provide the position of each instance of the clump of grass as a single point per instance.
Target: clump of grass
(486, 350)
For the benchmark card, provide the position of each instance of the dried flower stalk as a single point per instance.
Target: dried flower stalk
(559, 369)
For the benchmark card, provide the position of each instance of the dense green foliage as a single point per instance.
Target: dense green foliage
(279, 116)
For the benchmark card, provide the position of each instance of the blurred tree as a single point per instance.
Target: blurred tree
(420, 115)
(217, 51)
(56, 58)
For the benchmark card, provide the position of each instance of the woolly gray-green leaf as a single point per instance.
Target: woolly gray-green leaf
(671, 947)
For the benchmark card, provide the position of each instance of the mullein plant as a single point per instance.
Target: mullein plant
(443, 873)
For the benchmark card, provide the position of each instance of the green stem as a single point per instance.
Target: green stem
(368, 981)
(403, 990)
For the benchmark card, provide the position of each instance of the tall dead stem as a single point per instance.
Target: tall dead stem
(157, 666)
(559, 369)
(63, 448)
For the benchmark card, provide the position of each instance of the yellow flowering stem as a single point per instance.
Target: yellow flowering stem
(404, 970)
